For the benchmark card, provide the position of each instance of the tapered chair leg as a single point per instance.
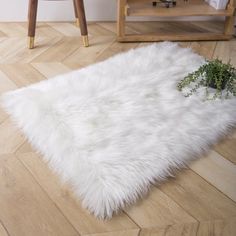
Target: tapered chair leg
(76, 14)
(82, 21)
(32, 15)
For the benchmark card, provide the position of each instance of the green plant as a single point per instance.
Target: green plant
(213, 74)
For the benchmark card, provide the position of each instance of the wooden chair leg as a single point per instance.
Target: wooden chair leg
(82, 21)
(76, 14)
(32, 15)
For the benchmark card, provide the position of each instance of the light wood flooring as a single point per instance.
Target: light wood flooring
(200, 201)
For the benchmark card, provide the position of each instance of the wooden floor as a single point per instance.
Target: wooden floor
(200, 201)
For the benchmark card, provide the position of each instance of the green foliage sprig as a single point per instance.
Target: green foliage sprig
(214, 74)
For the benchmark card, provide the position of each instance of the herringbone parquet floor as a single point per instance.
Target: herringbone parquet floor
(200, 201)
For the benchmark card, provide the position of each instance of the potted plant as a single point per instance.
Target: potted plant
(213, 74)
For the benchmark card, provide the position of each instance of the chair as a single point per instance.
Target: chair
(79, 15)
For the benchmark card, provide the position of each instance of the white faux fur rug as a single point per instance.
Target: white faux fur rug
(115, 127)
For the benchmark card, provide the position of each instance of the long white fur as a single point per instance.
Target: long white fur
(115, 127)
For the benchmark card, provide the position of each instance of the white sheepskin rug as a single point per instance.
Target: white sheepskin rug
(114, 128)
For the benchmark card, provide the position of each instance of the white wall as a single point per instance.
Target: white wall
(60, 10)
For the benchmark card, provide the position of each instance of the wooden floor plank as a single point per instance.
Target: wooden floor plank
(72, 209)
(46, 31)
(133, 232)
(199, 198)
(3, 115)
(3, 231)
(2, 34)
(5, 83)
(217, 227)
(25, 147)
(13, 29)
(188, 229)
(51, 69)
(66, 29)
(60, 50)
(115, 48)
(218, 171)
(227, 149)
(24, 55)
(10, 137)
(226, 51)
(205, 49)
(86, 56)
(10, 47)
(158, 211)
(99, 30)
(21, 74)
(111, 26)
(31, 211)
(205, 228)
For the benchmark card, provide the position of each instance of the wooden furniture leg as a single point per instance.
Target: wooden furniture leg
(121, 18)
(79, 14)
(32, 14)
(229, 20)
(229, 25)
(76, 14)
(82, 21)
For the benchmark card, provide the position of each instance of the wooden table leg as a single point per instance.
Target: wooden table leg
(76, 14)
(121, 18)
(229, 20)
(32, 15)
(82, 21)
